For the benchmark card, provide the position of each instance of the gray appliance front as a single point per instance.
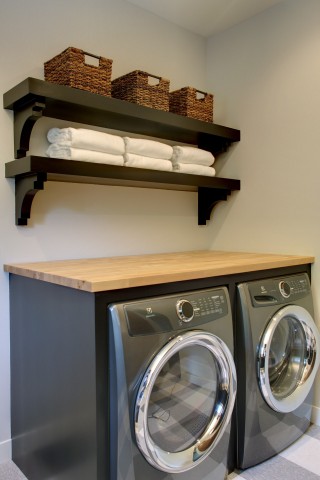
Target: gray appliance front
(173, 386)
(287, 349)
(278, 357)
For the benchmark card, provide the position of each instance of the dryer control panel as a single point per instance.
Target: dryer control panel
(169, 313)
(279, 290)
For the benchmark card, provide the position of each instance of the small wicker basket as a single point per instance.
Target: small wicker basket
(135, 87)
(186, 102)
(70, 68)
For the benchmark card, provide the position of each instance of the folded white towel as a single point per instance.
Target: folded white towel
(194, 169)
(68, 153)
(148, 148)
(139, 161)
(182, 154)
(87, 139)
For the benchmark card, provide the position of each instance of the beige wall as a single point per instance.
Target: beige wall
(265, 74)
(74, 221)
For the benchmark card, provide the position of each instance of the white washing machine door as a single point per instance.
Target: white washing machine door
(185, 401)
(288, 358)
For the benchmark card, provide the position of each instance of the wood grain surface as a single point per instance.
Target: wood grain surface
(101, 274)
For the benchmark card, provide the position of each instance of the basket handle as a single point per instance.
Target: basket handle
(155, 76)
(202, 92)
(92, 55)
(87, 54)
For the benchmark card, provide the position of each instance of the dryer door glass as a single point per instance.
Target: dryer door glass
(185, 401)
(288, 358)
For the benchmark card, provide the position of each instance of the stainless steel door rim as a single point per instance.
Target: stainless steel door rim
(286, 376)
(223, 403)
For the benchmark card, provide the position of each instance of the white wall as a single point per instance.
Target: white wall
(75, 221)
(265, 74)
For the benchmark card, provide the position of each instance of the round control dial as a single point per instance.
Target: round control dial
(185, 310)
(285, 289)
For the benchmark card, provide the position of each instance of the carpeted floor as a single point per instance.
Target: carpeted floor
(301, 461)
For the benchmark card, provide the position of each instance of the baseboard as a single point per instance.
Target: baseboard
(5, 451)
(315, 415)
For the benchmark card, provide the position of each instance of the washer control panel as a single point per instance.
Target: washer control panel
(163, 314)
(279, 290)
(209, 304)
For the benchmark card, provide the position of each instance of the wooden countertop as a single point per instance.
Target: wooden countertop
(101, 274)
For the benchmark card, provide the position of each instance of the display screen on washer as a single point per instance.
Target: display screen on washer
(169, 314)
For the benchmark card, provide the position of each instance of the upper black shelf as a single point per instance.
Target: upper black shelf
(33, 99)
(65, 103)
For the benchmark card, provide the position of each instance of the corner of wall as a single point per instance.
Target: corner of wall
(5, 451)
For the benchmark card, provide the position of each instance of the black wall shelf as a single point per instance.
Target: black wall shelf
(33, 99)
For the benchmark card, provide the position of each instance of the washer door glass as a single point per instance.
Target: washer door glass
(288, 358)
(185, 401)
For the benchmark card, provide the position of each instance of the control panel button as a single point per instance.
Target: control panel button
(185, 310)
(285, 289)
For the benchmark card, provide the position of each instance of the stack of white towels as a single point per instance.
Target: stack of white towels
(99, 147)
(193, 160)
(85, 145)
(143, 153)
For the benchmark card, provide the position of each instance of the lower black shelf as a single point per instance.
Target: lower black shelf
(32, 172)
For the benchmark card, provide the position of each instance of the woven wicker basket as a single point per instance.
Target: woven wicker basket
(135, 87)
(186, 102)
(69, 68)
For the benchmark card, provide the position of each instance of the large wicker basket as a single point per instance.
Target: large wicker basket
(135, 87)
(186, 102)
(70, 68)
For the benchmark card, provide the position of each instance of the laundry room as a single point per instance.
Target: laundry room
(261, 65)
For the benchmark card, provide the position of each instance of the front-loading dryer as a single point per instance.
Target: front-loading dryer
(172, 386)
(277, 357)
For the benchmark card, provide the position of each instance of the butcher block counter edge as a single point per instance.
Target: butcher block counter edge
(113, 273)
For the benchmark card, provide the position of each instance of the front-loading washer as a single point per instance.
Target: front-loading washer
(277, 357)
(172, 386)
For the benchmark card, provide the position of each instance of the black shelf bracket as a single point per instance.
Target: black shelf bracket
(207, 200)
(25, 190)
(24, 121)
